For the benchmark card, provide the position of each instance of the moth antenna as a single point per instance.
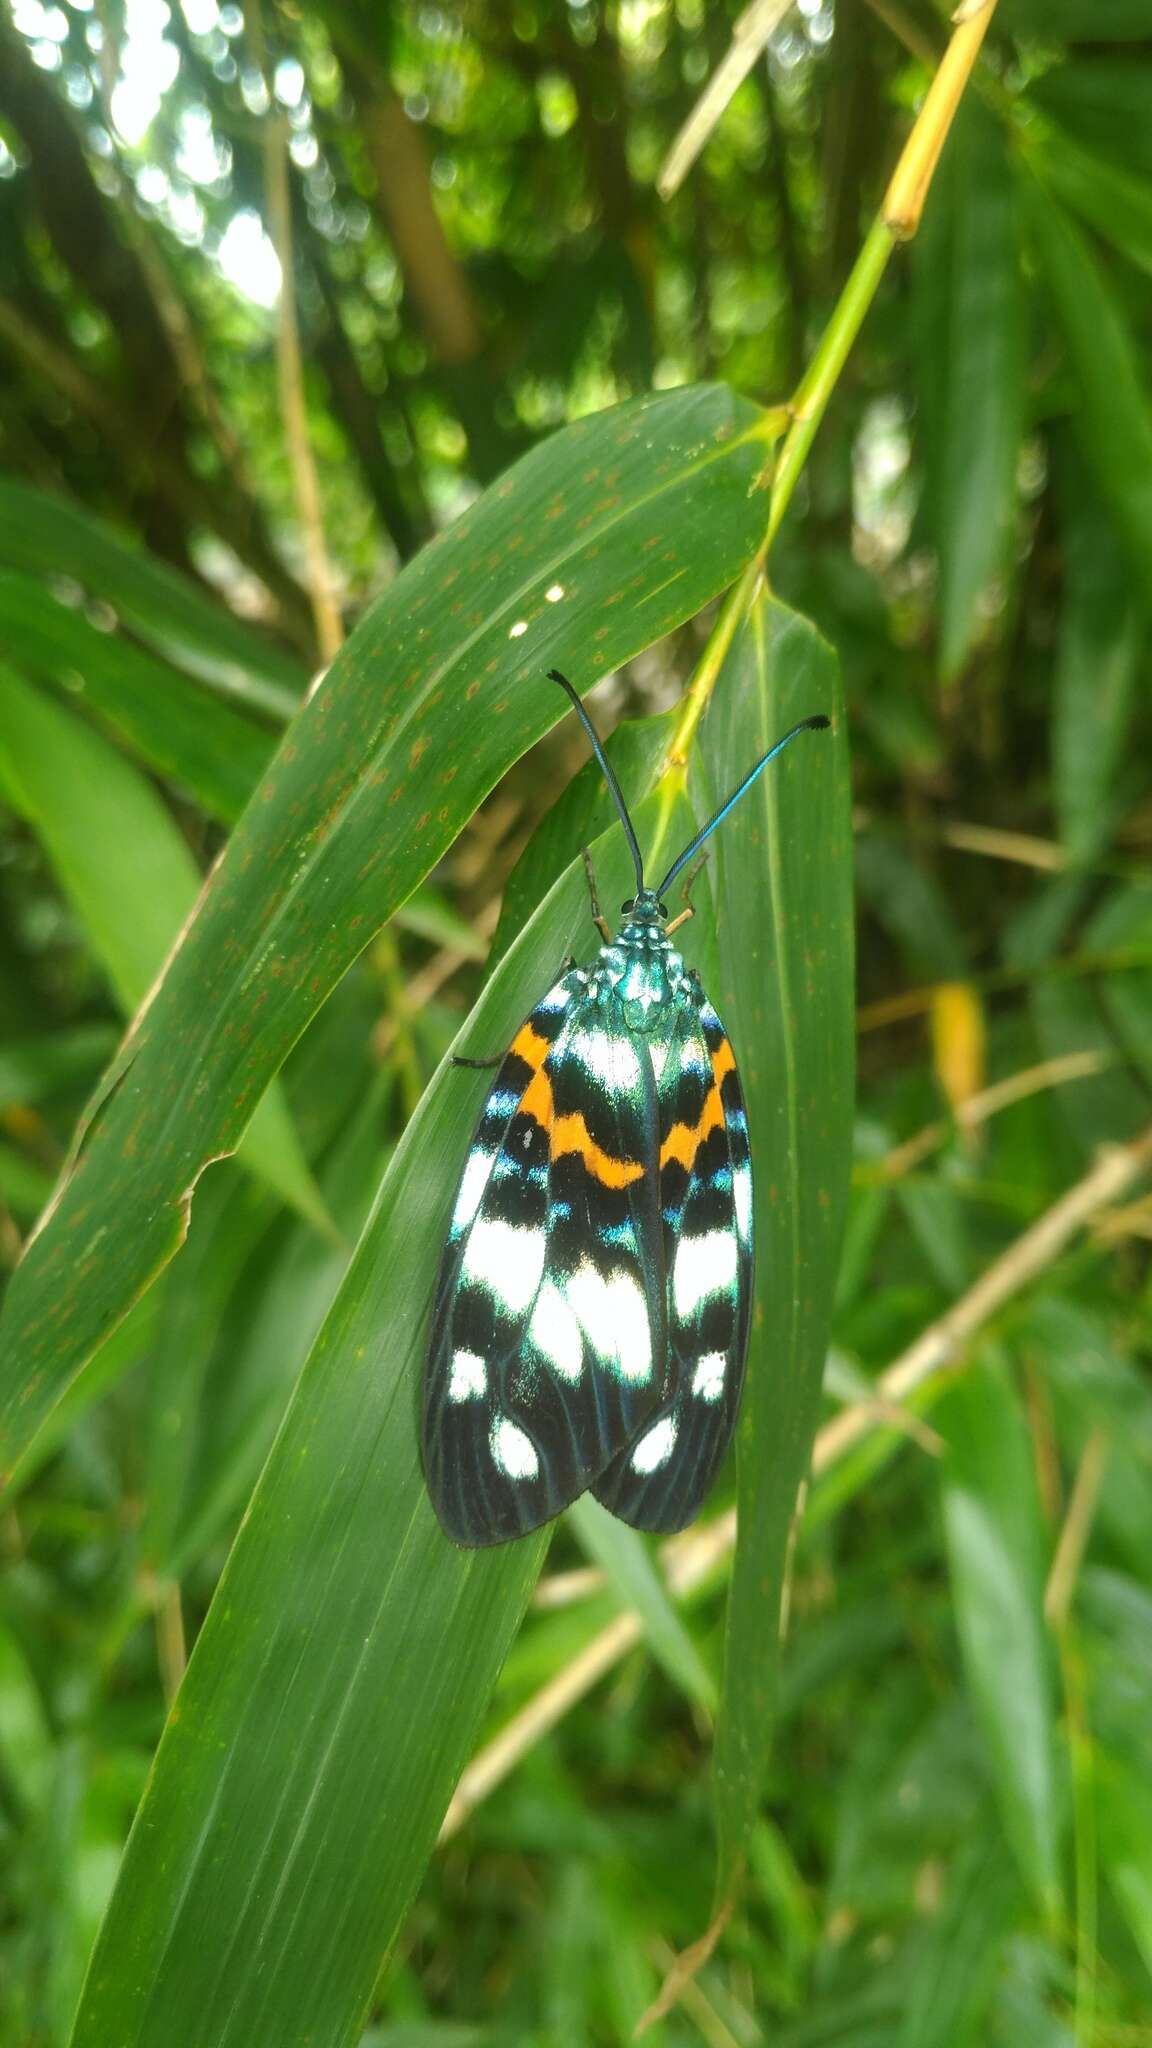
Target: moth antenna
(815, 724)
(617, 794)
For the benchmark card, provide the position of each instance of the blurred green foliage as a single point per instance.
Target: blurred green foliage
(955, 1841)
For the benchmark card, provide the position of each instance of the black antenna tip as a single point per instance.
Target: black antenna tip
(817, 723)
(554, 676)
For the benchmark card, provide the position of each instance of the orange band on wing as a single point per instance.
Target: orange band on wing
(571, 1134)
(531, 1048)
(684, 1140)
(723, 1062)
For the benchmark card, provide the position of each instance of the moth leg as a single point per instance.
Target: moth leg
(597, 917)
(689, 909)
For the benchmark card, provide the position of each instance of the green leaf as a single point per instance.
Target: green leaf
(24, 1186)
(1123, 924)
(33, 1069)
(1113, 417)
(227, 1224)
(1106, 102)
(974, 362)
(955, 1972)
(1113, 201)
(1069, 21)
(938, 1221)
(264, 1335)
(1070, 1018)
(174, 725)
(590, 548)
(49, 536)
(1102, 638)
(125, 869)
(1124, 1829)
(25, 1734)
(783, 866)
(341, 1676)
(127, 1345)
(995, 1543)
(430, 916)
(627, 1561)
(910, 904)
(130, 878)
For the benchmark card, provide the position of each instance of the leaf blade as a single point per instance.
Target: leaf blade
(635, 517)
(786, 993)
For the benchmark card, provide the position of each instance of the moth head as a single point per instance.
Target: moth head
(645, 908)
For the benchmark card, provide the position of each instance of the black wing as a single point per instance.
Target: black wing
(548, 1343)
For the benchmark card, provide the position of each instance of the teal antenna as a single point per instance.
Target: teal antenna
(617, 793)
(815, 724)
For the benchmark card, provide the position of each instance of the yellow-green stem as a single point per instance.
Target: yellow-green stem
(820, 378)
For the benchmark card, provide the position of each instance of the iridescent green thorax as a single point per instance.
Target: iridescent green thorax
(641, 967)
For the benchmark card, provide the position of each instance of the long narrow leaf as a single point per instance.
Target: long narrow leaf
(130, 878)
(589, 549)
(341, 1676)
(784, 909)
(992, 1525)
(1114, 415)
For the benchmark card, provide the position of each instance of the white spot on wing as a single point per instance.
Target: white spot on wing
(512, 1451)
(556, 998)
(742, 1197)
(610, 1059)
(473, 1182)
(708, 1382)
(508, 1259)
(615, 1315)
(469, 1379)
(693, 1058)
(555, 1331)
(656, 1446)
(704, 1266)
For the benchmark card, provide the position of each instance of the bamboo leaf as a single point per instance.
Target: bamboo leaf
(130, 878)
(627, 1561)
(340, 1678)
(50, 537)
(174, 725)
(590, 548)
(1113, 201)
(995, 1547)
(1089, 21)
(784, 909)
(1114, 415)
(970, 268)
(1105, 102)
(1101, 645)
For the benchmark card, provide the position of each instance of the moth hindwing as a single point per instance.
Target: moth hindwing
(591, 1312)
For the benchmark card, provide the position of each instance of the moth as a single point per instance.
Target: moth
(590, 1318)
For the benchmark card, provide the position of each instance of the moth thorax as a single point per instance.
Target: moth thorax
(642, 938)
